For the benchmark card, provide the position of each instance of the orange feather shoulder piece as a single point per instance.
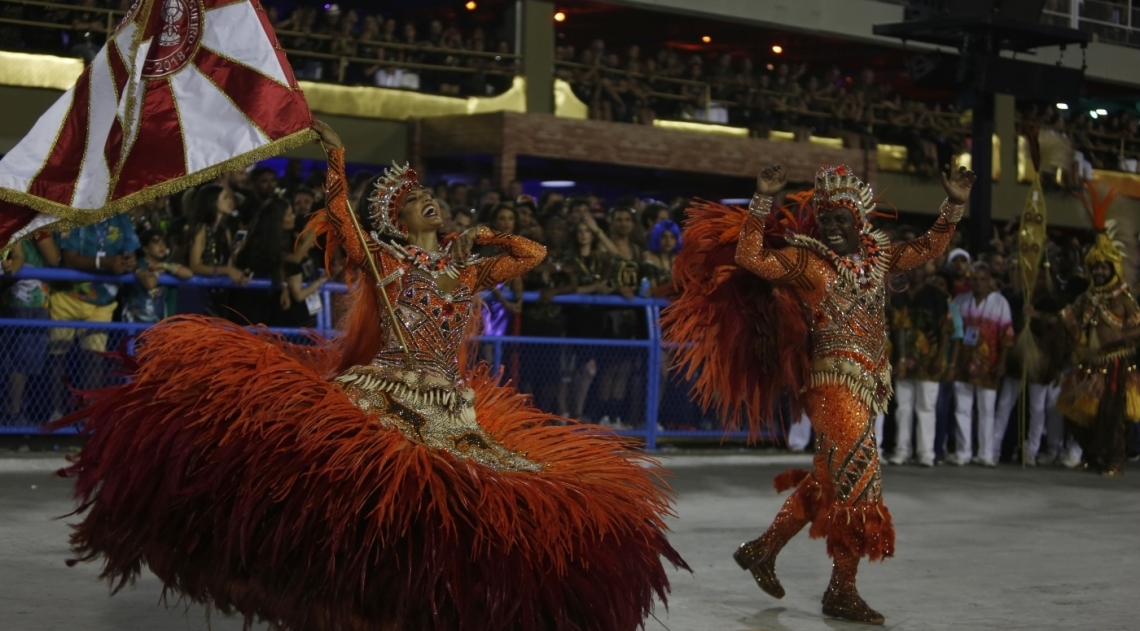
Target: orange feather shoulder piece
(741, 341)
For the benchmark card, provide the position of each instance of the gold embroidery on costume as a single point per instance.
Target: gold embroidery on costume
(414, 383)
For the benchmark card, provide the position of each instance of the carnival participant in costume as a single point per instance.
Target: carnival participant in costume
(376, 481)
(748, 278)
(1102, 393)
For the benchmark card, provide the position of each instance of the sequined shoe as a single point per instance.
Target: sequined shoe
(848, 605)
(755, 557)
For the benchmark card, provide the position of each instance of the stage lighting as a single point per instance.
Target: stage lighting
(1062, 106)
(706, 39)
(560, 17)
(557, 184)
(778, 49)
(1102, 112)
(471, 6)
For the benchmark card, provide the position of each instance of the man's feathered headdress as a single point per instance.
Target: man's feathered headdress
(1106, 248)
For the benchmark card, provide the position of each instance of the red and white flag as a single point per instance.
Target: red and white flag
(182, 91)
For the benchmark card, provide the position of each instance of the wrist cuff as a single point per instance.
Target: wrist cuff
(951, 211)
(760, 205)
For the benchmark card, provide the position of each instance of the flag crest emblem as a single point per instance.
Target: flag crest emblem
(182, 91)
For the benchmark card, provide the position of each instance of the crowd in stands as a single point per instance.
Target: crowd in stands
(635, 85)
(384, 51)
(323, 42)
(244, 226)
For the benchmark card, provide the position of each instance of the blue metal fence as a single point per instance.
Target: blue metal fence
(620, 382)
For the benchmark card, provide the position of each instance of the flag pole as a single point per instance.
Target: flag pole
(376, 275)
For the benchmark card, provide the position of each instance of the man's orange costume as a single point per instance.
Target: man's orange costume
(785, 315)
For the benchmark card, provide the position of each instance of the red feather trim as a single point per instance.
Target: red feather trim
(245, 480)
(861, 529)
(741, 340)
(789, 479)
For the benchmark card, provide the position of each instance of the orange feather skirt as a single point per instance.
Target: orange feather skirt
(245, 480)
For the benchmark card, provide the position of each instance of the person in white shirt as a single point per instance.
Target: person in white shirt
(979, 363)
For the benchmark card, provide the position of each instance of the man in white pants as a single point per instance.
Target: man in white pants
(1044, 378)
(919, 333)
(979, 364)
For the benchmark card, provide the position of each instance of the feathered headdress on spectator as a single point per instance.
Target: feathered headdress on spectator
(386, 198)
(1106, 248)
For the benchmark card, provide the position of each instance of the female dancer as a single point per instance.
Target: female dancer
(372, 482)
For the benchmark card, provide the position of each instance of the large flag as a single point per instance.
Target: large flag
(182, 91)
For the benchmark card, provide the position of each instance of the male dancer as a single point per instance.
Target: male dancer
(1102, 393)
(839, 280)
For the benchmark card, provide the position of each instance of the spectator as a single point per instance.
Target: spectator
(23, 347)
(500, 313)
(919, 339)
(264, 256)
(958, 270)
(88, 31)
(653, 212)
(303, 23)
(344, 44)
(1043, 376)
(148, 302)
(303, 204)
(664, 244)
(155, 213)
(591, 267)
(452, 82)
(107, 247)
(979, 363)
(617, 398)
(264, 187)
(212, 244)
(577, 209)
(542, 364)
(462, 219)
(526, 209)
(627, 254)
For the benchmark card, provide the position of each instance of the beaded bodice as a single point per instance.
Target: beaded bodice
(432, 323)
(415, 383)
(845, 297)
(848, 319)
(849, 314)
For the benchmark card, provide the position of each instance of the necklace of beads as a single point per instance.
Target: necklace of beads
(1101, 302)
(861, 265)
(434, 263)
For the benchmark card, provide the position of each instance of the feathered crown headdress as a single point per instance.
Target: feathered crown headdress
(387, 198)
(1106, 248)
(837, 187)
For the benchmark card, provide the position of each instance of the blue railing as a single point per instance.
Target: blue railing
(554, 367)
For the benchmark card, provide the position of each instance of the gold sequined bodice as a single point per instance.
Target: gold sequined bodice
(849, 335)
(845, 297)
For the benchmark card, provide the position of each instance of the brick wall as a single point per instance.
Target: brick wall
(507, 135)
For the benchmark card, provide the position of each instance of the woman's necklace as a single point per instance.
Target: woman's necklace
(434, 263)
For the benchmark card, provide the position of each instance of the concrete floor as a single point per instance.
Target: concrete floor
(977, 549)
